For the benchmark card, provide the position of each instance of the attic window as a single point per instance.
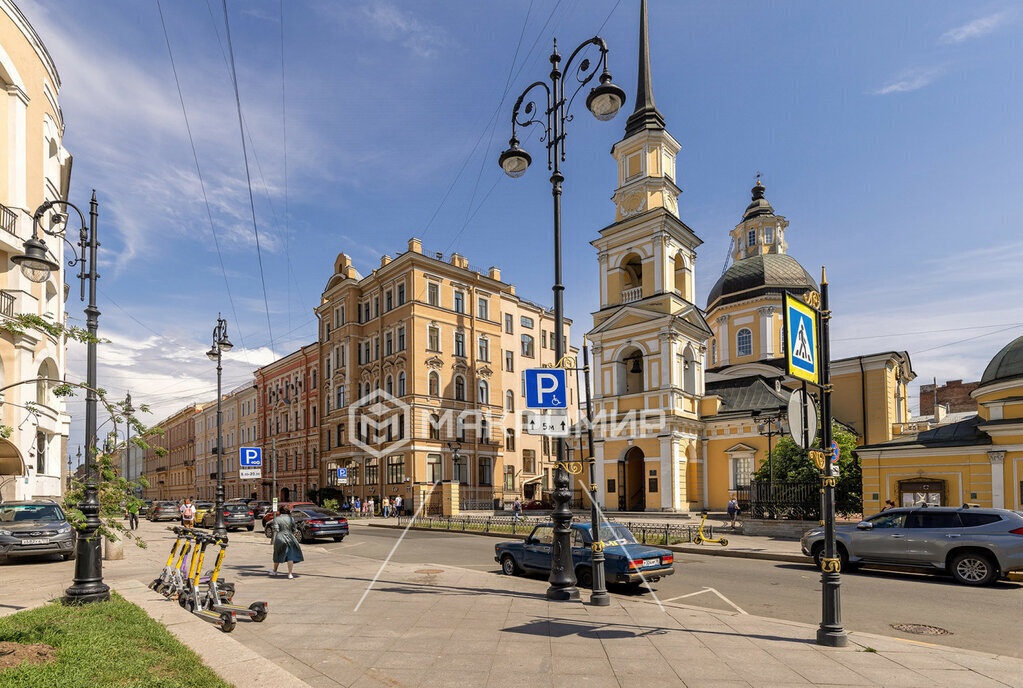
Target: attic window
(751, 237)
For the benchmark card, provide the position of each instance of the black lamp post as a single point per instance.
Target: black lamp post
(604, 101)
(220, 344)
(36, 264)
(128, 410)
(769, 426)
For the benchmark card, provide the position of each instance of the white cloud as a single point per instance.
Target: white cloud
(976, 28)
(420, 37)
(910, 80)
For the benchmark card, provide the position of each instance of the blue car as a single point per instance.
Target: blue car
(625, 560)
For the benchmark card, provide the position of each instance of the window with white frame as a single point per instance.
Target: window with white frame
(744, 342)
(526, 322)
(769, 234)
(484, 349)
(509, 361)
(434, 468)
(459, 301)
(459, 388)
(460, 344)
(509, 323)
(751, 237)
(527, 346)
(433, 294)
(483, 308)
(401, 384)
(484, 392)
(742, 469)
(433, 338)
(509, 401)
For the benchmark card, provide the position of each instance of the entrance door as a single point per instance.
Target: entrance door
(635, 489)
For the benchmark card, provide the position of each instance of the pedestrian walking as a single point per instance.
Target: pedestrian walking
(398, 502)
(733, 509)
(385, 506)
(187, 513)
(370, 510)
(358, 506)
(133, 514)
(516, 510)
(285, 541)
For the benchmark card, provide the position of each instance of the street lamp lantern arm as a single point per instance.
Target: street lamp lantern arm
(532, 110)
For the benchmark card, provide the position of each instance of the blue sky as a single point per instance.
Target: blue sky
(887, 133)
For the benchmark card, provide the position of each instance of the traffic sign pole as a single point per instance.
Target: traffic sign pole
(830, 632)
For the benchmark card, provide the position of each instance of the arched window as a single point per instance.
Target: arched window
(434, 384)
(41, 452)
(509, 401)
(401, 384)
(681, 274)
(389, 385)
(459, 388)
(484, 392)
(689, 371)
(434, 426)
(509, 439)
(744, 342)
(484, 431)
(631, 367)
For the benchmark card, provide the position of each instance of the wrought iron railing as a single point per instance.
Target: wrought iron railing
(8, 220)
(7, 304)
(646, 533)
(793, 500)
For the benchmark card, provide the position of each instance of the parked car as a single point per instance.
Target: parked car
(236, 515)
(625, 560)
(537, 505)
(33, 527)
(269, 515)
(200, 510)
(975, 545)
(316, 522)
(259, 508)
(163, 511)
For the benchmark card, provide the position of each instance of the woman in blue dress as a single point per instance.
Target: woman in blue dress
(285, 541)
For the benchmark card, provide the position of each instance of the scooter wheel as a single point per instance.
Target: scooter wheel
(724, 541)
(697, 540)
(227, 622)
(260, 611)
(182, 600)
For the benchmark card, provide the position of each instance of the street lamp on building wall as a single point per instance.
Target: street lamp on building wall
(604, 101)
(220, 344)
(37, 265)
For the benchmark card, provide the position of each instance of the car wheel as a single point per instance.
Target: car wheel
(339, 538)
(843, 558)
(268, 531)
(508, 565)
(584, 576)
(973, 568)
(250, 528)
(302, 537)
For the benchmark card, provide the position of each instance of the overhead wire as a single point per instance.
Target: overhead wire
(248, 174)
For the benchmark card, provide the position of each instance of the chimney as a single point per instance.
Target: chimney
(384, 260)
(940, 412)
(459, 261)
(415, 245)
(495, 273)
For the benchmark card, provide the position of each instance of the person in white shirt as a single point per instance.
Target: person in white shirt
(187, 513)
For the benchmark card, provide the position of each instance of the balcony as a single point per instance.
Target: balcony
(6, 303)
(630, 295)
(8, 220)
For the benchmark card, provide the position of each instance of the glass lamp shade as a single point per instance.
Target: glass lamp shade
(225, 344)
(35, 264)
(212, 354)
(514, 161)
(605, 100)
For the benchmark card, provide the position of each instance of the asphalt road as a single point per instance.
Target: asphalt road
(984, 619)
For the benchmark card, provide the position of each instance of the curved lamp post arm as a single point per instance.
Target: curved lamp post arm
(532, 110)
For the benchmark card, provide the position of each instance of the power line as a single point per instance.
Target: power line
(198, 171)
(907, 334)
(248, 175)
(968, 339)
(284, 141)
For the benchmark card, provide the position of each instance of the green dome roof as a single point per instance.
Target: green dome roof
(1007, 363)
(758, 275)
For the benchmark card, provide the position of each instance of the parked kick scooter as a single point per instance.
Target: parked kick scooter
(214, 597)
(700, 538)
(165, 577)
(189, 599)
(175, 583)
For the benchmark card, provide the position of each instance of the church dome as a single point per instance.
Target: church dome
(1006, 365)
(759, 205)
(770, 273)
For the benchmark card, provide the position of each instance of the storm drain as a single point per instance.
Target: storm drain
(920, 629)
(430, 571)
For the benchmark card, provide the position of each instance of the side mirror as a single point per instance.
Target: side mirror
(530, 540)
(865, 525)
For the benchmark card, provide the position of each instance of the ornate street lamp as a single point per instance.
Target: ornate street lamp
(37, 265)
(220, 344)
(604, 101)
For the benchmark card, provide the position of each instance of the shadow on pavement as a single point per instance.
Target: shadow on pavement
(921, 575)
(560, 628)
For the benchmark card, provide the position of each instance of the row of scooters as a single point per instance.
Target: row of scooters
(204, 595)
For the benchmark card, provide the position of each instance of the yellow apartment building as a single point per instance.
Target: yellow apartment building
(172, 476)
(35, 168)
(422, 364)
(239, 423)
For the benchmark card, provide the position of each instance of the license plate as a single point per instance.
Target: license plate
(330, 523)
(651, 562)
(34, 542)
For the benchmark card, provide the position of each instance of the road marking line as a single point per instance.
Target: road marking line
(680, 597)
(729, 602)
(391, 553)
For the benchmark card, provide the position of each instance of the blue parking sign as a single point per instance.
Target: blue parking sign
(546, 388)
(250, 457)
(342, 473)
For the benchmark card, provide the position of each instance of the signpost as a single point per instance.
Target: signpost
(550, 425)
(342, 476)
(801, 337)
(250, 463)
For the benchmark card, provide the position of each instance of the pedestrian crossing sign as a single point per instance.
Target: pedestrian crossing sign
(801, 352)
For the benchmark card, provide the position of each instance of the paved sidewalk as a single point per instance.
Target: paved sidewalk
(435, 625)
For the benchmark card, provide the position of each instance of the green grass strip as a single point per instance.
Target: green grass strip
(111, 643)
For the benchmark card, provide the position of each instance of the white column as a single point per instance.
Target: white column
(766, 331)
(703, 473)
(598, 472)
(17, 104)
(723, 341)
(666, 482)
(602, 266)
(997, 458)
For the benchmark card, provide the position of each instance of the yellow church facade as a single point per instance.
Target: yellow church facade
(681, 393)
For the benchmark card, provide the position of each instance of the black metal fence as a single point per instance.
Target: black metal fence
(800, 501)
(646, 533)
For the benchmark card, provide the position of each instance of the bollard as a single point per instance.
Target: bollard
(666, 541)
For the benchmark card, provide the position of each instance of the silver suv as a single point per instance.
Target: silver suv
(977, 546)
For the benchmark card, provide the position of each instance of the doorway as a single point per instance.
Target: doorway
(921, 492)
(634, 489)
(285, 494)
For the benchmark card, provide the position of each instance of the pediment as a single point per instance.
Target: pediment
(740, 448)
(435, 362)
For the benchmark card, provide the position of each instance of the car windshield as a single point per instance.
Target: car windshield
(322, 513)
(616, 535)
(236, 507)
(30, 512)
